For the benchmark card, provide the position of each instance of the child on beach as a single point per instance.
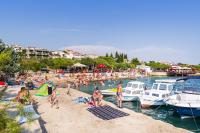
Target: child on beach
(54, 99)
(68, 89)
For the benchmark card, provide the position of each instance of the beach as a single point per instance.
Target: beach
(75, 118)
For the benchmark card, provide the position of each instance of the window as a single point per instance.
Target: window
(156, 95)
(128, 91)
(163, 96)
(129, 85)
(141, 86)
(155, 86)
(135, 86)
(170, 87)
(163, 87)
(136, 92)
(146, 93)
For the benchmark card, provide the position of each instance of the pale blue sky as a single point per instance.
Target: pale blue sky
(165, 30)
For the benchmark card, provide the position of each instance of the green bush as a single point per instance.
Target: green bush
(7, 124)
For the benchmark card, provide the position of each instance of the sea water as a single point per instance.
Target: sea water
(162, 113)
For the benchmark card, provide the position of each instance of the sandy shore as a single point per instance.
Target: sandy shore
(74, 118)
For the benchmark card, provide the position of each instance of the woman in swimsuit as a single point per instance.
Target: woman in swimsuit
(119, 94)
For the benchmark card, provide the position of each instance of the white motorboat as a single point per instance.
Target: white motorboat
(133, 91)
(185, 97)
(157, 94)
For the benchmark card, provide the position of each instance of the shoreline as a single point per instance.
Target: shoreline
(71, 115)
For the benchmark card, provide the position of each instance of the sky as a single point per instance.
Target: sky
(161, 30)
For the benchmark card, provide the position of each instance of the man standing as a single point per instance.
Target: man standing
(119, 94)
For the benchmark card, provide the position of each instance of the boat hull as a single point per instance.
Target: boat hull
(129, 98)
(187, 111)
(151, 104)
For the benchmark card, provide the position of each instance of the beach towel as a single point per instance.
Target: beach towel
(107, 112)
(43, 91)
(28, 109)
(82, 100)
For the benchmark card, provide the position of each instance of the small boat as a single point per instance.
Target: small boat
(133, 91)
(109, 92)
(157, 94)
(185, 97)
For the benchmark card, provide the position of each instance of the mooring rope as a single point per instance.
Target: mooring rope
(194, 118)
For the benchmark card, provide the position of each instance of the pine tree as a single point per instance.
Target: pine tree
(111, 55)
(122, 57)
(125, 56)
(106, 54)
(116, 55)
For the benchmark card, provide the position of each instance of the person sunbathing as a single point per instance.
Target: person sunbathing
(97, 97)
(24, 96)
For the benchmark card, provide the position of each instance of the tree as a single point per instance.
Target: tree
(197, 67)
(61, 63)
(122, 66)
(135, 61)
(158, 65)
(111, 55)
(8, 60)
(31, 64)
(116, 54)
(110, 62)
(100, 60)
(125, 56)
(130, 65)
(2, 45)
(106, 54)
(87, 61)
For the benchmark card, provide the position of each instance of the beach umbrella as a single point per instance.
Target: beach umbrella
(79, 65)
(101, 66)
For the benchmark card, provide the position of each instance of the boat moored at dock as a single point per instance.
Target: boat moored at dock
(157, 94)
(132, 91)
(185, 97)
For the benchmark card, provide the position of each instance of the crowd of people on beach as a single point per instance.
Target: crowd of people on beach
(30, 81)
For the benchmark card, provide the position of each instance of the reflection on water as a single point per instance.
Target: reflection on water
(161, 113)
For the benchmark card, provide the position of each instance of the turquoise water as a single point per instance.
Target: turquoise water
(162, 113)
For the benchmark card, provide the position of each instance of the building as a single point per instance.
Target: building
(145, 68)
(32, 51)
(17, 48)
(90, 56)
(60, 54)
(180, 71)
(70, 54)
(37, 52)
(74, 54)
(44, 53)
